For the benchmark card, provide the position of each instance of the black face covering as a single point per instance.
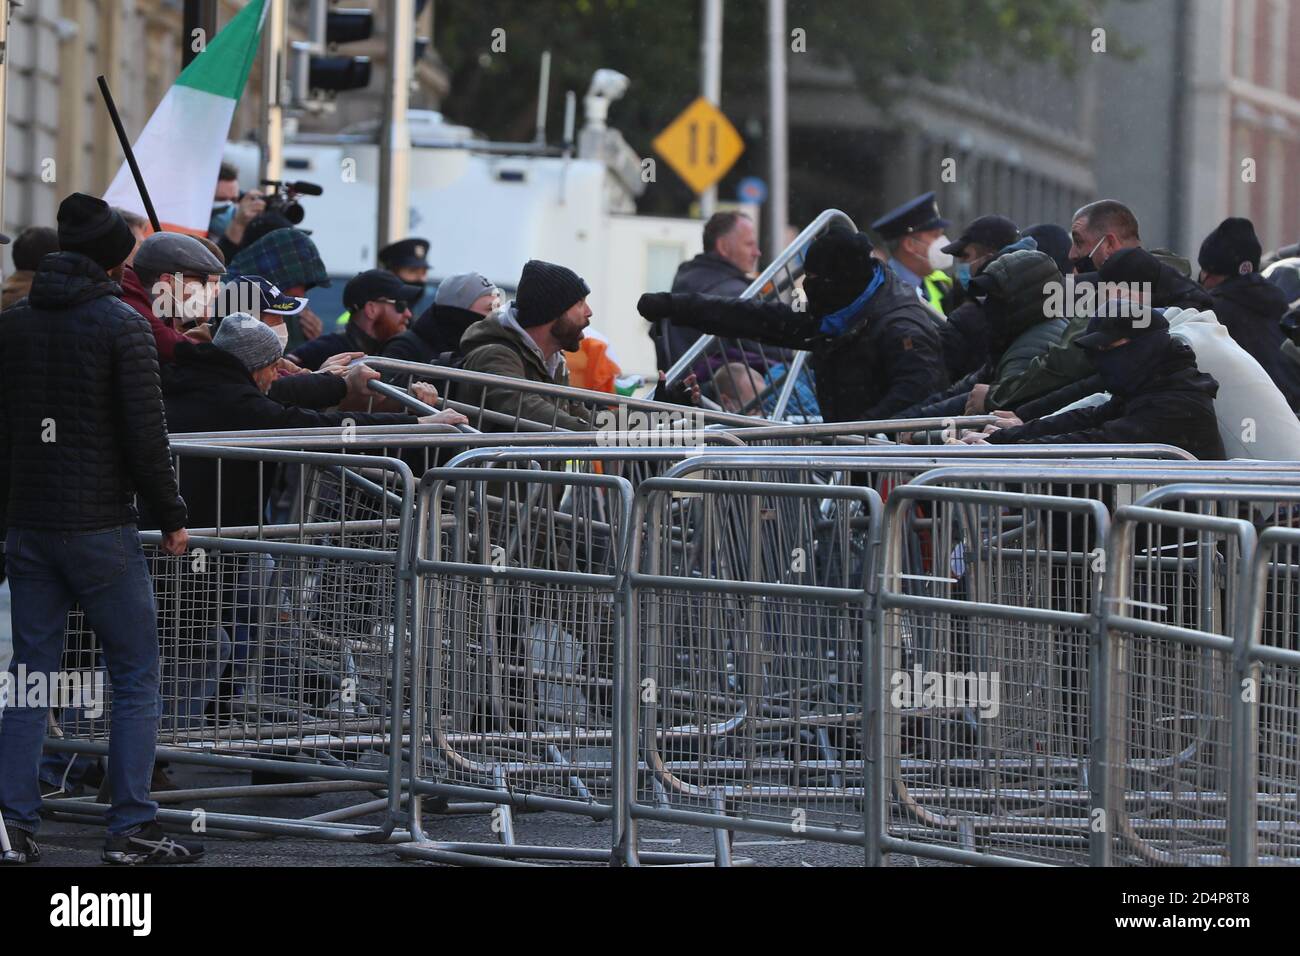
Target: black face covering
(1125, 369)
(1084, 264)
(826, 295)
(839, 266)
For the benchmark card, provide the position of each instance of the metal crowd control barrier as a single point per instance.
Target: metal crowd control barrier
(1179, 736)
(761, 379)
(989, 618)
(282, 643)
(749, 606)
(1211, 674)
(518, 630)
(1272, 660)
(498, 401)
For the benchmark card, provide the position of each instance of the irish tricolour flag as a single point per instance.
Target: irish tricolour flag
(179, 152)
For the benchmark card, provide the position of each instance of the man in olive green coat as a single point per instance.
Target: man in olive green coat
(524, 340)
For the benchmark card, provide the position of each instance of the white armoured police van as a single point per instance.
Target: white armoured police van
(489, 207)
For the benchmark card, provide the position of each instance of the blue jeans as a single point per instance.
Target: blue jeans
(106, 574)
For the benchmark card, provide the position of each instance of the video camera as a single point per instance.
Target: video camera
(283, 197)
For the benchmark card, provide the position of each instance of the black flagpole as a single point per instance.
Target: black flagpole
(130, 154)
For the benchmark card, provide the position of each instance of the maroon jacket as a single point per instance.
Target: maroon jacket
(134, 295)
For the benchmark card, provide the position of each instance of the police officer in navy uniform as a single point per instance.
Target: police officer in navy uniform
(913, 235)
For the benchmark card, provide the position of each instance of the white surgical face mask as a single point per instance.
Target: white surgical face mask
(282, 333)
(938, 258)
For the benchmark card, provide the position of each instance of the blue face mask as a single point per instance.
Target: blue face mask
(222, 214)
(963, 274)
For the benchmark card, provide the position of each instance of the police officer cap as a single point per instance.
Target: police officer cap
(405, 254)
(916, 215)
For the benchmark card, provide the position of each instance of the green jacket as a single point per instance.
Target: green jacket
(1062, 365)
(491, 345)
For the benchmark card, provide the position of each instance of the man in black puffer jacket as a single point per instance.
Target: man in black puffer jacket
(1249, 306)
(874, 347)
(82, 433)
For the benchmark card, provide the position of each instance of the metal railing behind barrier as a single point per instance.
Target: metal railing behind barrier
(519, 625)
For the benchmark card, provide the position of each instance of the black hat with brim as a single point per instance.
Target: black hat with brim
(1105, 330)
(916, 215)
(991, 232)
(371, 285)
(405, 254)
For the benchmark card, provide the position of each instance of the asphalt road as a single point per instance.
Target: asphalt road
(78, 844)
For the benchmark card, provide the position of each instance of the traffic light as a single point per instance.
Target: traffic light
(334, 73)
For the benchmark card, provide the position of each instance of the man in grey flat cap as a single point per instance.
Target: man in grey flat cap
(171, 284)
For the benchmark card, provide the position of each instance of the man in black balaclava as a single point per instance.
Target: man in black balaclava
(1157, 393)
(874, 348)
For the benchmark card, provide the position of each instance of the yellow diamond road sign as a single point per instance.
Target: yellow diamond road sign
(700, 145)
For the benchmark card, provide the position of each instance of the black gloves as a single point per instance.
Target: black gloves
(655, 305)
(685, 392)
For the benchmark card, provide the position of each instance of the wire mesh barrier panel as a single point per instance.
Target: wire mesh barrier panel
(1172, 607)
(989, 614)
(278, 640)
(518, 619)
(1225, 695)
(751, 609)
(751, 377)
(1273, 664)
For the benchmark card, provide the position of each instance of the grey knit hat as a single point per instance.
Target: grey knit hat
(248, 339)
(462, 291)
(165, 253)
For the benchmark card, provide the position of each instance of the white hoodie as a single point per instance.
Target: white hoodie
(1255, 421)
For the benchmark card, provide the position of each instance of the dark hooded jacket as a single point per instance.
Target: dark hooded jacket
(433, 337)
(1065, 363)
(887, 358)
(209, 390)
(77, 360)
(707, 274)
(1173, 404)
(1016, 328)
(1251, 308)
(965, 340)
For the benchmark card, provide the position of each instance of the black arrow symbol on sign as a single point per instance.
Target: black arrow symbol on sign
(694, 147)
(713, 144)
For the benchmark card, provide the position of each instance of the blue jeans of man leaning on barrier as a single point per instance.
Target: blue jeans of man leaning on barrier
(106, 574)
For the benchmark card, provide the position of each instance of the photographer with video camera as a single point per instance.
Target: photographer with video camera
(232, 211)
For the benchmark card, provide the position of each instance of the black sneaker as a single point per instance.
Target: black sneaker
(22, 849)
(149, 846)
